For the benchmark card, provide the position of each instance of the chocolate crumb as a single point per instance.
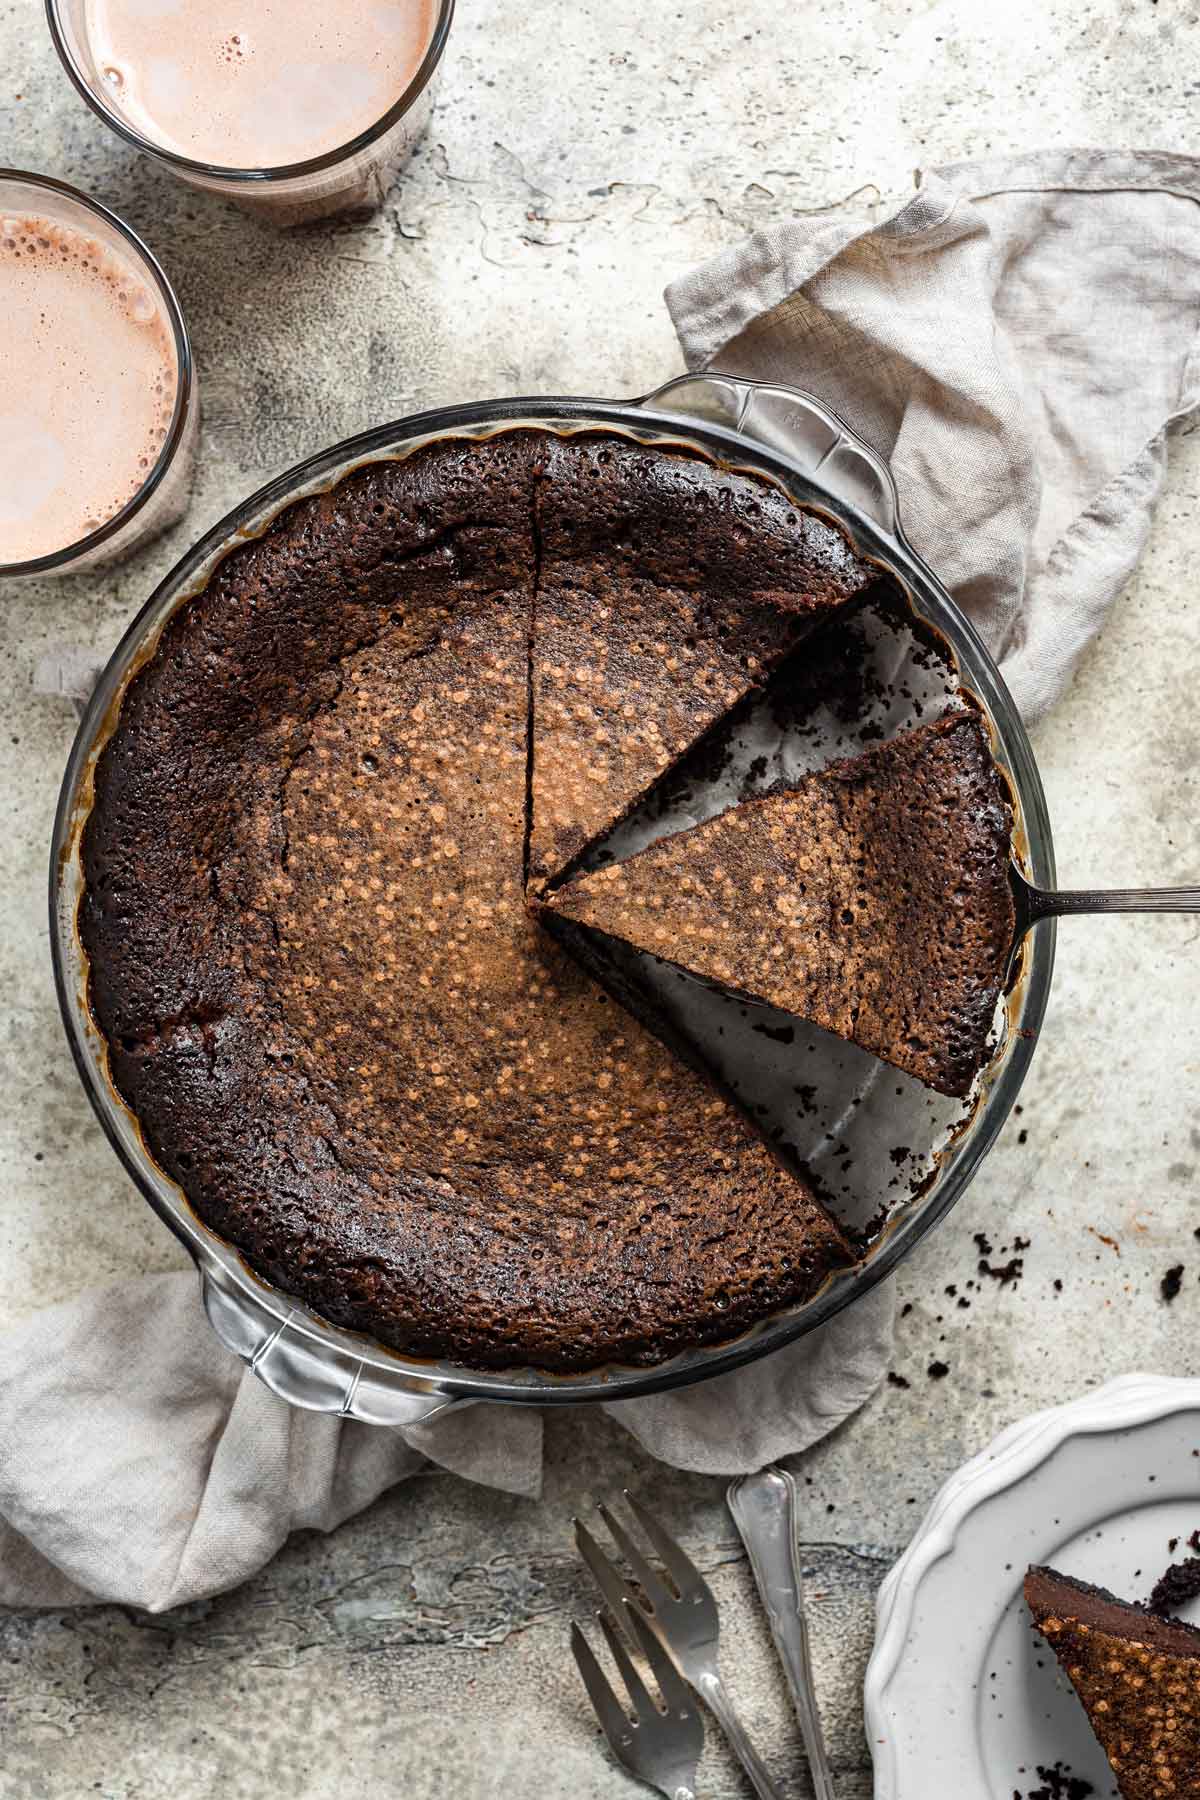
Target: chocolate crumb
(1175, 1588)
(1007, 1274)
(1171, 1282)
(983, 1243)
(778, 1034)
(897, 1381)
(937, 1370)
(1059, 1784)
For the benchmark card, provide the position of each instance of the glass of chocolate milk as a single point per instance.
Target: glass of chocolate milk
(296, 109)
(98, 401)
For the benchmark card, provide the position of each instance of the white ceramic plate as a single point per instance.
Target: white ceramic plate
(963, 1701)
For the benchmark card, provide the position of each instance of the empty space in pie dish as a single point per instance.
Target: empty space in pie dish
(869, 1135)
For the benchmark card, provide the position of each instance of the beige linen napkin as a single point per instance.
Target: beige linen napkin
(141, 1462)
(1016, 340)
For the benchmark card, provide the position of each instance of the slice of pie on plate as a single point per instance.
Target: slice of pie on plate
(1138, 1677)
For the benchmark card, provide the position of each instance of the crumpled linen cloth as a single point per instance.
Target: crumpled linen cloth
(142, 1462)
(1017, 341)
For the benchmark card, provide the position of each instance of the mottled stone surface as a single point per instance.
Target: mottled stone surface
(582, 154)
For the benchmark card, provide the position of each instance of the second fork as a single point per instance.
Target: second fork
(685, 1621)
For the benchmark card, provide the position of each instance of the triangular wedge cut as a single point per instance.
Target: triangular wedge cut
(1138, 1677)
(871, 898)
(668, 590)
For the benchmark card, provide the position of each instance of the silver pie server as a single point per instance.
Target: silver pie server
(1033, 904)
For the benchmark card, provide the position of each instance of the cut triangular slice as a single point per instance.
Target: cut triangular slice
(872, 898)
(1138, 1677)
(669, 587)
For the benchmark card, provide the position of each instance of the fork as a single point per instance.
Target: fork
(684, 1622)
(662, 1748)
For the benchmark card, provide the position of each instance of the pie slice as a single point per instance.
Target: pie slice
(668, 589)
(1138, 1677)
(871, 898)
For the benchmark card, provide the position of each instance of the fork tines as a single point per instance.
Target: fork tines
(607, 1576)
(660, 1744)
(657, 1598)
(675, 1614)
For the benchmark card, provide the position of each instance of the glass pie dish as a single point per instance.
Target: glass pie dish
(862, 1111)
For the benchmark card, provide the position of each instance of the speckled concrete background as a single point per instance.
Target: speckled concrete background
(583, 152)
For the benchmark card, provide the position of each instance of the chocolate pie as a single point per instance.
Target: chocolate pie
(323, 997)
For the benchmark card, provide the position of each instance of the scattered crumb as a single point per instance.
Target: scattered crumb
(778, 1034)
(1059, 1784)
(1175, 1587)
(898, 1381)
(1007, 1274)
(1171, 1282)
(938, 1370)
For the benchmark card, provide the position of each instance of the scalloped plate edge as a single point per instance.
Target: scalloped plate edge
(1127, 1401)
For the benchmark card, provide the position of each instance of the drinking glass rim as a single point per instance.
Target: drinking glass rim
(40, 565)
(315, 165)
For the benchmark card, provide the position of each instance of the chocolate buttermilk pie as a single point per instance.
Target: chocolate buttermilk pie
(412, 701)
